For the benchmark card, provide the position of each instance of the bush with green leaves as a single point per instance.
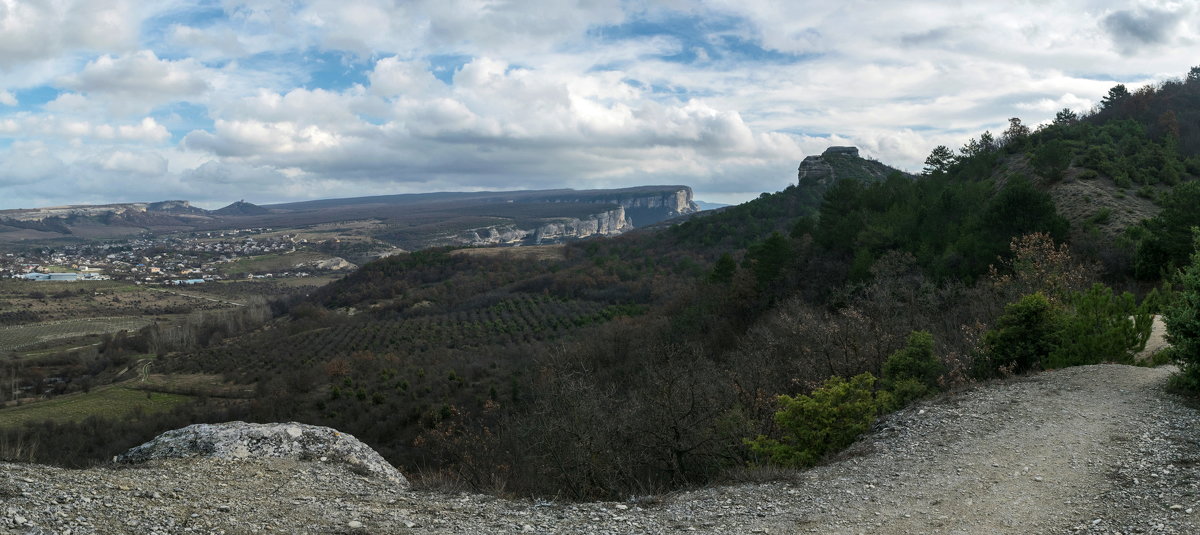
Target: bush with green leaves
(827, 420)
(1182, 318)
(1101, 327)
(912, 372)
(1023, 336)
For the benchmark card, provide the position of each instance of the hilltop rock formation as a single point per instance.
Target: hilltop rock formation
(837, 163)
(242, 441)
(241, 208)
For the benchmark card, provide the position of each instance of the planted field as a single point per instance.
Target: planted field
(114, 402)
(27, 302)
(21, 336)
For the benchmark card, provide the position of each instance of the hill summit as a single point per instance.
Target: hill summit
(241, 208)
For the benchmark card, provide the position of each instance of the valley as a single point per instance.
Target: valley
(631, 346)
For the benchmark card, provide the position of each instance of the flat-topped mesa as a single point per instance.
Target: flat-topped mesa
(244, 441)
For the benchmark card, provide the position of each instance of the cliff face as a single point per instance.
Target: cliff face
(649, 210)
(607, 223)
(643, 206)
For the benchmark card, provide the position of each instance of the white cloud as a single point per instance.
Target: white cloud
(537, 95)
(28, 162)
(49, 128)
(393, 76)
(207, 43)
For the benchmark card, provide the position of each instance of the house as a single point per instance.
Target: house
(69, 277)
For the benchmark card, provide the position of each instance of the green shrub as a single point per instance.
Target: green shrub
(827, 420)
(1182, 318)
(1102, 216)
(1023, 336)
(912, 373)
(1102, 327)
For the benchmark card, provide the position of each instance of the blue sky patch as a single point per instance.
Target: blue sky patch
(444, 66)
(200, 14)
(313, 69)
(715, 39)
(334, 71)
(33, 98)
(183, 117)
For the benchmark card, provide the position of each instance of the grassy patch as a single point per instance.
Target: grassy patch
(111, 402)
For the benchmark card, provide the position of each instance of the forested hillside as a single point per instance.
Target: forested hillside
(667, 357)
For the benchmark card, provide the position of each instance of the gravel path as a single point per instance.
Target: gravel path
(1093, 449)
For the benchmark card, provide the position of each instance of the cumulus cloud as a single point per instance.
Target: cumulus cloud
(144, 163)
(393, 76)
(38, 30)
(7, 98)
(140, 81)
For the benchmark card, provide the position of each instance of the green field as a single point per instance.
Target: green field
(271, 262)
(20, 336)
(107, 402)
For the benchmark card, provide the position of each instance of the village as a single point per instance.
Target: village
(190, 259)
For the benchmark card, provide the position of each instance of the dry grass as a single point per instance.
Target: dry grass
(1080, 200)
(73, 300)
(194, 384)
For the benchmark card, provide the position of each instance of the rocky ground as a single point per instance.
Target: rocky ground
(1094, 449)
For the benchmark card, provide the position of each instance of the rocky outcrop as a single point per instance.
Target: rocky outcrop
(815, 171)
(607, 223)
(245, 441)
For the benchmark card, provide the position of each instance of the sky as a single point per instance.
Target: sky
(269, 101)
